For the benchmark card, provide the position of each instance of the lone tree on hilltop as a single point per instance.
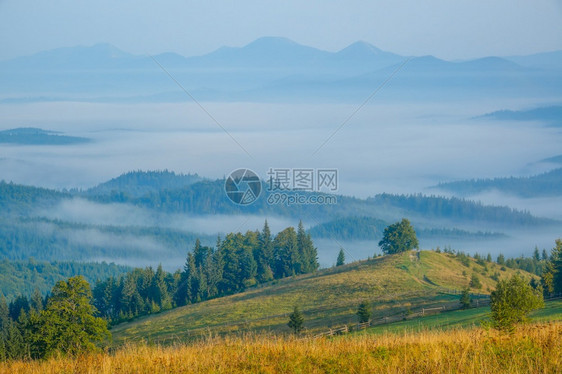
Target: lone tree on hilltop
(296, 320)
(512, 301)
(399, 237)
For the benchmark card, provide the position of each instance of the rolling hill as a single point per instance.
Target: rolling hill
(146, 218)
(551, 115)
(35, 136)
(139, 183)
(394, 285)
(547, 184)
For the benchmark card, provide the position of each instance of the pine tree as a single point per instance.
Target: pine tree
(556, 259)
(296, 320)
(341, 258)
(37, 301)
(308, 255)
(465, 298)
(475, 281)
(551, 278)
(266, 243)
(286, 253)
(536, 254)
(232, 247)
(364, 312)
(191, 279)
(501, 259)
(263, 255)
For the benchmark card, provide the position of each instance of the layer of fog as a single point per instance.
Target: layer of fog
(144, 251)
(115, 214)
(539, 206)
(515, 245)
(384, 148)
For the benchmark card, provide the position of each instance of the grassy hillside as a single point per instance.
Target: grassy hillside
(473, 317)
(530, 349)
(329, 298)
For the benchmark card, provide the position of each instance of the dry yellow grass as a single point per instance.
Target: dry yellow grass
(531, 349)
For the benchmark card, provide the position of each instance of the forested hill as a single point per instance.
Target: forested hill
(139, 183)
(369, 228)
(208, 197)
(543, 185)
(25, 277)
(551, 115)
(158, 226)
(16, 198)
(35, 136)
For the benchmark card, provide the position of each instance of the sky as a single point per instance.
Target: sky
(447, 29)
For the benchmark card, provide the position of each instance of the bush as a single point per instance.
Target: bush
(475, 281)
(512, 301)
(364, 312)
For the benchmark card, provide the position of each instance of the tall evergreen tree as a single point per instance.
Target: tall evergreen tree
(341, 258)
(36, 301)
(286, 253)
(266, 243)
(556, 259)
(308, 254)
(551, 278)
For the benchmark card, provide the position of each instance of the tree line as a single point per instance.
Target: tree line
(237, 262)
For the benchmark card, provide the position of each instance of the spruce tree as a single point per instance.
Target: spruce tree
(364, 312)
(465, 298)
(286, 253)
(296, 320)
(341, 258)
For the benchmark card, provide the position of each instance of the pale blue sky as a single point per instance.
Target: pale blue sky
(445, 28)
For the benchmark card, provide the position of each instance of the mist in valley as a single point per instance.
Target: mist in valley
(387, 146)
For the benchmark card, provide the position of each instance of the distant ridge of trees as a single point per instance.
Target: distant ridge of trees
(371, 228)
(139, 183)
(541, 185)
(24, 277)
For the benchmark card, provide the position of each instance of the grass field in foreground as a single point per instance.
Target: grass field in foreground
(531, 348)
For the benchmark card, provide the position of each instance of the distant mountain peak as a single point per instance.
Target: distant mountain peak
(269, 40)
(361, 46)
